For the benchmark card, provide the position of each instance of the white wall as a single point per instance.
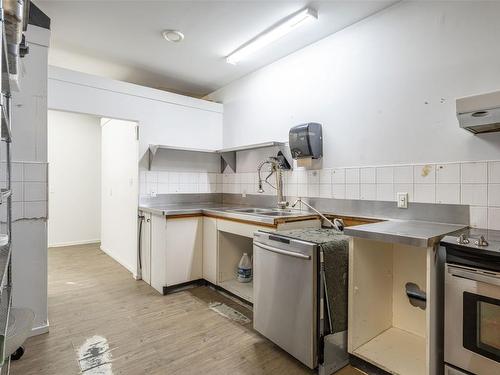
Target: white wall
(163, 117)
(74, 153)
(29, 149)
(120, 192)
(384, 89)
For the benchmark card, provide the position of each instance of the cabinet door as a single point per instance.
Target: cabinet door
(145, 253)
(158, 252)
(184, 250)
(210, 249)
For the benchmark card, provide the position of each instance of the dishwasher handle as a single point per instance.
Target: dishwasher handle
(281, 251)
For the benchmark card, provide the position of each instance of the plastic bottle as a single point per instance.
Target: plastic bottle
(245, 269)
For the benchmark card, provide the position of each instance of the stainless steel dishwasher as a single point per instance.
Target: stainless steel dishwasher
(286, 294)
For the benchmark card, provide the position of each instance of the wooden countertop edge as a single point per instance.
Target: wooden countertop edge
(241, 221)
(348, 220)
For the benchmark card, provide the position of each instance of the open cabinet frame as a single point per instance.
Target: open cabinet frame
(385, 329)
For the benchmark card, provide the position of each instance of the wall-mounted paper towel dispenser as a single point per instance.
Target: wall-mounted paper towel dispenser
(306, 141)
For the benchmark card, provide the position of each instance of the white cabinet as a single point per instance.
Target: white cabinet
(182, 249)
(175, 251)
(184, 260)
(145, 251)
(158, 252)
(210, 249)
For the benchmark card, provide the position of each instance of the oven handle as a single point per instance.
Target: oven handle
(280, 251)
(493, 279)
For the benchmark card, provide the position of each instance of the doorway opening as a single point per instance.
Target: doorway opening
(93, 184)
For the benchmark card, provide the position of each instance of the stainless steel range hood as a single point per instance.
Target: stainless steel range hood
(479, 113)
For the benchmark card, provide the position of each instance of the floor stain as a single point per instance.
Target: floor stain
(94, 357)
(228, 312)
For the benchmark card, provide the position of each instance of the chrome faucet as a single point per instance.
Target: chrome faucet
(278, 170)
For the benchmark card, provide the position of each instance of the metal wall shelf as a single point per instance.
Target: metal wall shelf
(251, 147)
(228, 155)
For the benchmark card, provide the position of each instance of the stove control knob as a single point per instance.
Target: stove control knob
(481, 241)
(462, 239)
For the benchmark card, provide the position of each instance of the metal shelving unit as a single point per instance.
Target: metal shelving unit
(5, 206)
(16, 11)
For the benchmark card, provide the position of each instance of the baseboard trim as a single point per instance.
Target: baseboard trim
(120, 262)
(74, 243)
(40, 330)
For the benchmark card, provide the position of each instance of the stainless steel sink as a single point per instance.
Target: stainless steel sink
(251, 210)
(278, 213)
(266, 211)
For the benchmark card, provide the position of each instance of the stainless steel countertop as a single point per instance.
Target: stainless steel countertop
(221, 210)
(181, 208)
(408, 232)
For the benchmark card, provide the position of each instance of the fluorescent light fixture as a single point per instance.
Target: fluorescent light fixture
(279, 30)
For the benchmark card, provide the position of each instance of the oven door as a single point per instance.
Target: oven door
(472, 319)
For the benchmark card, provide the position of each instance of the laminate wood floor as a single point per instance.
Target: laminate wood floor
(91, 297)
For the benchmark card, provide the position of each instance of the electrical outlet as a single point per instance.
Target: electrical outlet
(402, 200)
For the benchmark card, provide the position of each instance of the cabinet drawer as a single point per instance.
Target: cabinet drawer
(242, 229)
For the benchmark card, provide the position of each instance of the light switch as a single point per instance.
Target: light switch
(402, 200)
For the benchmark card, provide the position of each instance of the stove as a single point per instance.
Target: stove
(474, 247)
(472, 302)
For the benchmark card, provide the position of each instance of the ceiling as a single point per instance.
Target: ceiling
(128, 34)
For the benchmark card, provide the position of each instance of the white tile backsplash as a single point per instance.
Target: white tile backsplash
(313, 190)
(424, 174)
(174, 177)
(338, 191)
(385, 192)
(291, 190)
(352, 191)
(302, 190)
(190, 178)
(338, 176)
(475, 194)
(494, 172)
(352, 176)
(163, 178)
(424, 193)
(474, 173)
(35, 191)
(17, 189)
(35, 172)
(162, 188)
(448, 193)
(368, 192)
(494, 195)
(301, 177)
(29, 189)
(478, 217)
(152, 177)
(474, 183)
(313, 177)
(325, 176)
(325, 190)
(367, 175)
(35, 209)
(494, 218)
(403, 174)
(385, 175)
(448, 173)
